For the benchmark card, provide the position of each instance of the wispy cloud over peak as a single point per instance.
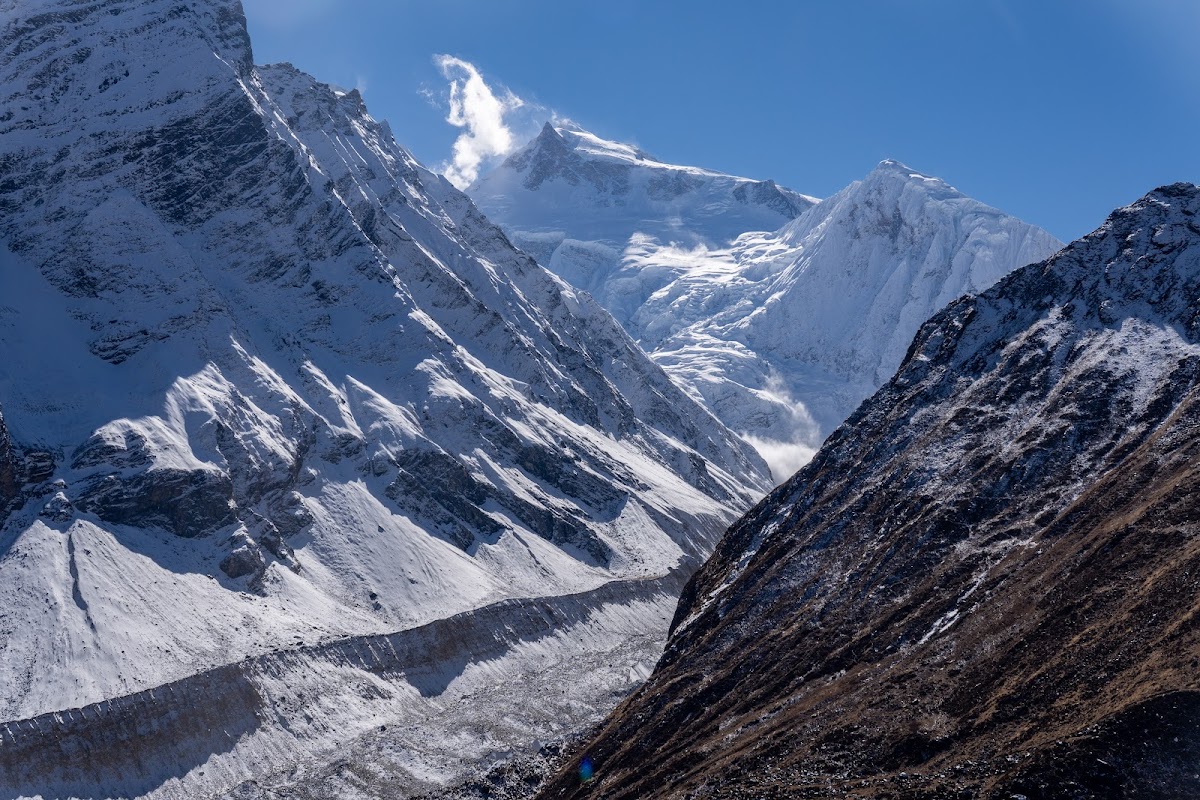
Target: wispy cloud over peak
(482, 114)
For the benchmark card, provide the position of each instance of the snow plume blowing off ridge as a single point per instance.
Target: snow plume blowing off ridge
(480, 113)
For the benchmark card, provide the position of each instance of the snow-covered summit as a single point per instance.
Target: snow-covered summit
(578, 202)
(266, 378)
(571, 143)
(569, 184)
(875, 261)
(781, 330)
(784, 333)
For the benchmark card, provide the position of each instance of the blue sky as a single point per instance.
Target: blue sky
(1054, 110)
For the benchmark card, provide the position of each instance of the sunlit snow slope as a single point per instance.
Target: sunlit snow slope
(781, 315)
(268, 381)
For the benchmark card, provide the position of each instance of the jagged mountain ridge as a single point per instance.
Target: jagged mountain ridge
(985, 582)
(781, 330)
(269, 381)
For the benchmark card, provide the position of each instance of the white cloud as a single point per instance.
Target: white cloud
(481, 114)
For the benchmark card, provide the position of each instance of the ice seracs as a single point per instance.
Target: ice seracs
(781, 314)
(784, 333)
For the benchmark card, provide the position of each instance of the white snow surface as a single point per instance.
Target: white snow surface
(576, 202)
(234, 274)
(780, 323)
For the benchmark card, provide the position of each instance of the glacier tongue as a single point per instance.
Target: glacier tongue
(781, 315)
(269, 382)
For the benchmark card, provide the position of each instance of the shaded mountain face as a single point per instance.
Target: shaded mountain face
(268, 381)
(781, 333)
(986, 582)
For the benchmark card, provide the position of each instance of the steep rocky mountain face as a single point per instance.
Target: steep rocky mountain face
(986, 582)
(270, 386)
(781, 332)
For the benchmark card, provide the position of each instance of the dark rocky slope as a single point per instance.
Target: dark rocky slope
(986, 583)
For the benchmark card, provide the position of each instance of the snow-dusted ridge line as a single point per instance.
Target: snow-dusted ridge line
(571, 184)
(596, 148)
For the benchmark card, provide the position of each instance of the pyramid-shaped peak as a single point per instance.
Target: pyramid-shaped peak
(891, 164)
(549, 132)
(895, 179)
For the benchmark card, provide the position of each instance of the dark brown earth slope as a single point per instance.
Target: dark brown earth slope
(985, 585)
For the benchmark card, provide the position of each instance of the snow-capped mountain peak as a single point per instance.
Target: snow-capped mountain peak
(570, 184)
(828, 303)
(892, 172)
(781, 320)
(570, 137)
(891, 166)
(266, 378)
